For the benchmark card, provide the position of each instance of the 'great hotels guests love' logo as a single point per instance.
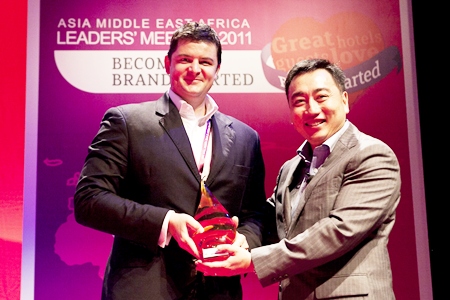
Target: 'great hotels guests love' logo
(351, 40)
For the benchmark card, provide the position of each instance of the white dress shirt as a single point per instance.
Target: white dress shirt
(195, 128)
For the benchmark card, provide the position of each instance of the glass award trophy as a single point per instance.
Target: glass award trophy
(218, 226)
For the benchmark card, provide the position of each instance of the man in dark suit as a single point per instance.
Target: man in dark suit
(335, 201)
(141, 179)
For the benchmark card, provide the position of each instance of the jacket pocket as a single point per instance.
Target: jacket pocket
(341, 287)
(240, 170)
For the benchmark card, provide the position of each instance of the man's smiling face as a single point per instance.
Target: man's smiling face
(192, 68)
(318, 109)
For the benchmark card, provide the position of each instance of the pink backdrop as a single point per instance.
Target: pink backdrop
(12, 136)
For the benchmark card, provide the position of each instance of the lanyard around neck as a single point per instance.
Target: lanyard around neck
(204, 148)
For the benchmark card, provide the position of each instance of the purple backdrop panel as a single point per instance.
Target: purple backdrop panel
(97, 54)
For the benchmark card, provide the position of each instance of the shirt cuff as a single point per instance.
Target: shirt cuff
(165, 236)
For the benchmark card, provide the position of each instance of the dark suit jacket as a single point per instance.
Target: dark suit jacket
(139, 166)
(335, 246)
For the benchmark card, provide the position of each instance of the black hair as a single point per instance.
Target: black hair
(309, 65)
(197, 32)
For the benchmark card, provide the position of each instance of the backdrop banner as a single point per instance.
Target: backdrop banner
(98, 54)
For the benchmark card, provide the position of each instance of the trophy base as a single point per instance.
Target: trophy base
(210, 254)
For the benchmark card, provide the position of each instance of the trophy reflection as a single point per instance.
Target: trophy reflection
(218, 226)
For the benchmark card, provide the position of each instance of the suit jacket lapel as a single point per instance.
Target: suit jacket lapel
(172, 124)
(347, 141)
(287, 196)
(223, 136)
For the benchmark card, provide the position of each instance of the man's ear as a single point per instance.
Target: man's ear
(345, 100)
(217, 72)
(167, 64)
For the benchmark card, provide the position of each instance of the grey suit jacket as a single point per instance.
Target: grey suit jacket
(335, 246)
(139, 166)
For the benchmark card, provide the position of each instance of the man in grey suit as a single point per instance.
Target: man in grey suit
(335, 201)
(141, 179)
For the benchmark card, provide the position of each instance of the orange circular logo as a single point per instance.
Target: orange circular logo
(347, 39)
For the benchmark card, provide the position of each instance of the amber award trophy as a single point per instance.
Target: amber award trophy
(218, 226)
